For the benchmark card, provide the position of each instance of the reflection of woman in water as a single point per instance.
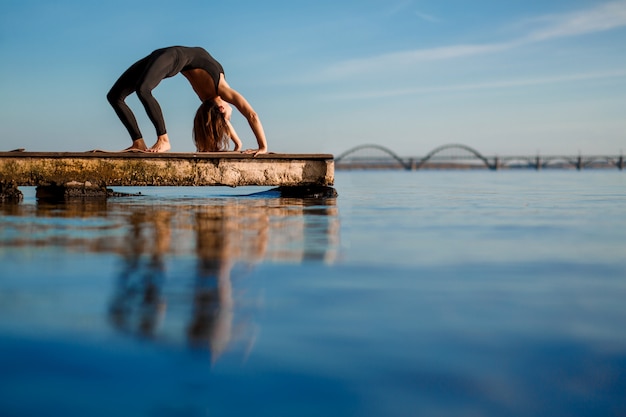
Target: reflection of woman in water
(137, 304)
(228, 233)
(221, 241)
(212, 124)
(213, 298)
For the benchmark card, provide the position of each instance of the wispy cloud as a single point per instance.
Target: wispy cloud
(398, 8)
(404, 6)
(427, 17)
(403, 59)
(604, 17)
(600, 18)
(522, 82)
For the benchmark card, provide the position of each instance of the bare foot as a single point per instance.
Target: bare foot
(162, 145)
(138, 146)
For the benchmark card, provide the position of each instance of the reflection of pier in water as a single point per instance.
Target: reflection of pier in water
(182, 261)
(455, 156)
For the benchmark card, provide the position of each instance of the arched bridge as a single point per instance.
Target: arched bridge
(454, 152)
(373, 156)
(364, 152)
(382, 157)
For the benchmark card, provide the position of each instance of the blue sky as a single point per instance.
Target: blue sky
(505, 77)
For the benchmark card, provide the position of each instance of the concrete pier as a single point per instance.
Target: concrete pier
(166, 169)
(88, 174)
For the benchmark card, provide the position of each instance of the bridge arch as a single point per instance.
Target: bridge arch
(545, 162)
(453, 146)
(376, 147)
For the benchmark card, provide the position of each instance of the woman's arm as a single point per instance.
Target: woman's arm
(237, 100)
(234, 137)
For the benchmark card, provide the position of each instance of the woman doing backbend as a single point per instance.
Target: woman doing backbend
(212, 126)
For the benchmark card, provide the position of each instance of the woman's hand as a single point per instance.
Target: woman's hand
(256, 151)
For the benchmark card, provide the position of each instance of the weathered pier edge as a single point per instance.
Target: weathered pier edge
(88, 174)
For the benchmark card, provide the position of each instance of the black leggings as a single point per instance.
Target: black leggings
(142, 77)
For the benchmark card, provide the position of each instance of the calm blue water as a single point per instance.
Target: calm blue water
(421, 293)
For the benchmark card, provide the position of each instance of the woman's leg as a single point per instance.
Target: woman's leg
(123, 87)
(162, 64)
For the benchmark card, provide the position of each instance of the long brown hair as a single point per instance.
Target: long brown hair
(210, 130)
